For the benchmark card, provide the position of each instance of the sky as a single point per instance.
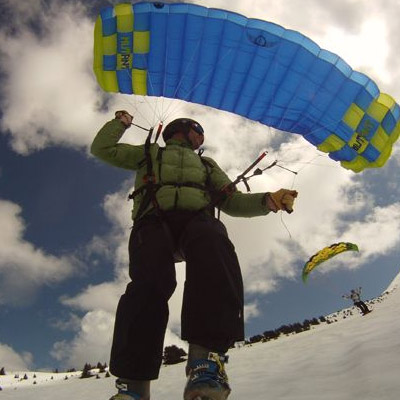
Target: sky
(66, 221)
(351, 358)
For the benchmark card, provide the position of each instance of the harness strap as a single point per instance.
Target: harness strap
(149, 181)
(186, 184)
(150, 187)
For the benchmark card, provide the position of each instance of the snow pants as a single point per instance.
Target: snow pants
(212, 309)
(362, 306)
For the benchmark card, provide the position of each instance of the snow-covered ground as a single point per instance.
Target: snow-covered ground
(354, 358)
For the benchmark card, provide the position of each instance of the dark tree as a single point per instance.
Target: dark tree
(256, 338)
(86, 371)
(173, 355)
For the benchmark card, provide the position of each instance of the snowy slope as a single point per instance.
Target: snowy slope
(354, 358)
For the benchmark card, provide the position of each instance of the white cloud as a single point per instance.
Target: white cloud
(71, 323)
(103, 296)
(91, 345)
(378, 233)
(251, 311)
(366, 50)
(308, 16)
(50, 93)
(24, 12)
(23, 267)
(13, 361)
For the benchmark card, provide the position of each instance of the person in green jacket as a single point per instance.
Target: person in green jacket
(176, 191)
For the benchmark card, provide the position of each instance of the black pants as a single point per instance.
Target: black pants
(362, 306)
(212, 309)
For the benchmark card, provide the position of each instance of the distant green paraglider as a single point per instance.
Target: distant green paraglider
(325, 254)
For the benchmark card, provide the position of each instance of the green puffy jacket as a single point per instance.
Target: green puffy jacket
(179, 165)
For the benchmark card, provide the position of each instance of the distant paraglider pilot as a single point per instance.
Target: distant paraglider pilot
(355, 295)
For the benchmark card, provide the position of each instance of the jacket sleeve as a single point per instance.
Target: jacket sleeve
(237, 204)
(105, 146)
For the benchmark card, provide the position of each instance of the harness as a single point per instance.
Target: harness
(150, 187)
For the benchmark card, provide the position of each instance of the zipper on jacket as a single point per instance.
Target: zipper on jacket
(180, 176)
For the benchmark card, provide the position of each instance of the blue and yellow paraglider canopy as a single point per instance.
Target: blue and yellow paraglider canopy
(249, 67)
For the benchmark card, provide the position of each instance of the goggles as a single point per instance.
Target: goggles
(183, 125)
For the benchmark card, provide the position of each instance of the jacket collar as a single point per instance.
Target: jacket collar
(175, 142)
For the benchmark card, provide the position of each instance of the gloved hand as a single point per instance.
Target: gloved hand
(283, 199)
(124, 117)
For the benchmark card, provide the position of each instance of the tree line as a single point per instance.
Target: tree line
(285, 330)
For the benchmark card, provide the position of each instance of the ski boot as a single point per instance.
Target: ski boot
(125, 394)
(207, 379)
